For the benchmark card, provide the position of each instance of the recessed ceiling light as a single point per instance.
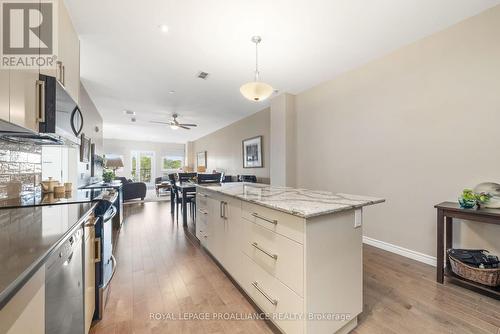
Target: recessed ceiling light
(164, 28)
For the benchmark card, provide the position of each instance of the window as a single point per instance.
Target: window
(171, 163)
(142, 166)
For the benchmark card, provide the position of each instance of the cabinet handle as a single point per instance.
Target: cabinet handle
(271, 299)
(63, 75)
(202, 211)
(224, 206)
(271, 255)
(97, 249)
(40, 100)
(60, 70)
(272, 221)
(220, 210)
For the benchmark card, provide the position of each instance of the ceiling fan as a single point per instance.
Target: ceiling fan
(174, 123)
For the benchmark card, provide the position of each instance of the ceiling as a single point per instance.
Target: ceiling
(128, 63)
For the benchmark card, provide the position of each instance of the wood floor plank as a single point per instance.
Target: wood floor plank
(162, 271)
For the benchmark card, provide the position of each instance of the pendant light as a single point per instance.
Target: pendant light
(256, 90)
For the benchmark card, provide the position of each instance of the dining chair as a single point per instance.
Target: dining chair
(247, 178)
(184, 177)
(209, 178)
(176, 196)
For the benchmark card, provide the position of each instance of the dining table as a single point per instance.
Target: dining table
(185, 188)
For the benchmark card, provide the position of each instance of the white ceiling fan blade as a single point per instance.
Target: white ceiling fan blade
(188, 124)
(160, 122)
(184, 127)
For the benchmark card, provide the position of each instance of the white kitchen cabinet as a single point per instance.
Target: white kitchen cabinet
(216, 228)
(69, 54)
(292, 267)
(232, 236)
(18, 87)
(25, 312)
(4, 95)
(23, 107)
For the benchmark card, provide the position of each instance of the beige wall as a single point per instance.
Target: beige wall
(224, 147)
(124, 148)
(415, 127)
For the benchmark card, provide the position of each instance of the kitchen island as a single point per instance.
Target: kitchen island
(296, 253)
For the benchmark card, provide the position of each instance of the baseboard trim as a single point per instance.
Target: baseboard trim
(417, 256)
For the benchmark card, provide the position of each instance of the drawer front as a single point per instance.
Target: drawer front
(273, 297)
(201, 200)
(281, 257)
(277, 221)
(201, 215)
(201, 229)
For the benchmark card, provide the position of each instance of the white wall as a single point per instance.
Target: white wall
(124, 148)
(416, 127)
(224, 147)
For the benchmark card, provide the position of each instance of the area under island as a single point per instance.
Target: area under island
(296, 253)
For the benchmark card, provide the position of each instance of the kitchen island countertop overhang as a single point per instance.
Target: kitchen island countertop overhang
(299, 202)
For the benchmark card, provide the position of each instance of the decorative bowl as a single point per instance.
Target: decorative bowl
(466, 204)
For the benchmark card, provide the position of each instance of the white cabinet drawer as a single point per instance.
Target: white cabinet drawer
(201, 200)
(279, 222)
(279, 256)
(201, 231)
(273, 297)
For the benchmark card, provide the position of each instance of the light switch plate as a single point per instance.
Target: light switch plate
(358, 218)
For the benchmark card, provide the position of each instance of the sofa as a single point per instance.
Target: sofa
(132, 190)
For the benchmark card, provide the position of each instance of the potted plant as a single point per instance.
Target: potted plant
(468, 199)
(108, 176)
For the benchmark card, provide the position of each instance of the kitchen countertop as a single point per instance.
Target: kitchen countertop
(39, 199)
(102, 185)
(302, 203)
(28, 236)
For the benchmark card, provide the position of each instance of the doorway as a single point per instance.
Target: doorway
(143, 163)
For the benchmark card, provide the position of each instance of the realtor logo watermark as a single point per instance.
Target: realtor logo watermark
(28, 34)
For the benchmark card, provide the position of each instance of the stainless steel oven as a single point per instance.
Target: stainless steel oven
(64, 313)
(104, 269)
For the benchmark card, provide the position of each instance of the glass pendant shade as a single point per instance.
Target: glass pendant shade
(256, 91)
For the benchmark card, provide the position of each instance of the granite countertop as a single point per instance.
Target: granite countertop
(39, 198)
(102, 185)
(28, 236)
(302, 203)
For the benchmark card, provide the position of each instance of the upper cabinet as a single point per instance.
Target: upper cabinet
(25, 98)
(67, 70)
(4, 94)
(21, 91)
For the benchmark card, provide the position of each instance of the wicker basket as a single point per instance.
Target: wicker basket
(490, 277)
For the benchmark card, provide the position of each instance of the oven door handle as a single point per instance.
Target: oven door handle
(107, 217)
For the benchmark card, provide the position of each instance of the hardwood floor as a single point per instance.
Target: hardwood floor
(161, 270)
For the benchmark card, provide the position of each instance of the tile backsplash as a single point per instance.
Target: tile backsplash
(20, 169)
